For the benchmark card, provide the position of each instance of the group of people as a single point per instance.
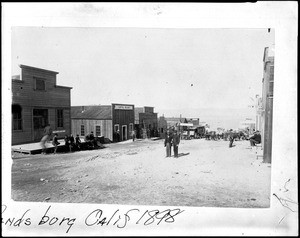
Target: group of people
(254, 139)
(71, 143)
(234, 135)
(172, 139)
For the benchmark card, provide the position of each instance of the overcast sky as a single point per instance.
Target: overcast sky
(177, 71)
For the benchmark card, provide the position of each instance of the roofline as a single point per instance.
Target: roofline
(92, 118)
(30, 67)
(91, 106)
(59, 86)
(123, 104)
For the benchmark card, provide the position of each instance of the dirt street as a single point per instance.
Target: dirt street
(208, 173)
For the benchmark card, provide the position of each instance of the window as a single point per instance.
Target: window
(60, 118)
(98, 130)
(40, 84)
(117, 127)
(40, 118)
(17, 117)
(82, 133)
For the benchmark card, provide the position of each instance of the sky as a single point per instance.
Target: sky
(210, 74)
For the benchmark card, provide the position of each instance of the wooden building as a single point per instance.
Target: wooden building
(123, 120)
(194, 121)
(36, 101)
(175, 121)
(146, 123)
(92, 118)
(267, 103)
(114, 122)
(162, 127)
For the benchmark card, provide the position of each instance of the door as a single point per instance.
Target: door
(124, 132)
(40, 120)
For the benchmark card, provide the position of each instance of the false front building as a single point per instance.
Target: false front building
(146, 123)
(37, 101)
(115, 122)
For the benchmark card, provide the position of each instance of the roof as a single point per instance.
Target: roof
(175, 119)
(30, 67)
(15, 77)
(103, 112)
(59, 86)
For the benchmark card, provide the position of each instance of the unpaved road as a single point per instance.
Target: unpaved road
(207, 173)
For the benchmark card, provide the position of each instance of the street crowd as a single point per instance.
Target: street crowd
(172, 139)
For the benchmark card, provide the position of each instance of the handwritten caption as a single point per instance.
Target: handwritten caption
(94, 218)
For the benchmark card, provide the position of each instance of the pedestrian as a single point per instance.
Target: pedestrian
(168, 143)
(78, 142)
(46, 137)
(55, 142)
(255, 139)
(72, 142)
(231, 138)
(67, 143)
(133, 135)
(175, 143)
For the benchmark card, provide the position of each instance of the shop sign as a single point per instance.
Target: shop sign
(123, 107)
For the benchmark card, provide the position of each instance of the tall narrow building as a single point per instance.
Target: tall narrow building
(267, 103)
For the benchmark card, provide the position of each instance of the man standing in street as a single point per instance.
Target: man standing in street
(231, 138)
(175, 142)
(133, 135)
(168, 143)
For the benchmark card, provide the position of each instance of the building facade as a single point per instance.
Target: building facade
(123, 120)
(195, 121)
(115, 122)
(162, 127)
(36, 101)
(267, 103)
(146, 122)
(258, 118)
(96, 119)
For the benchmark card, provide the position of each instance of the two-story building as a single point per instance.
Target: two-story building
(36, 101)
(267, 103)
(146, 123)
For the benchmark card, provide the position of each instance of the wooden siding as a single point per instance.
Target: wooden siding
(90, 125)
(26, 135)
(24, 92)
(25, 95)
(123, 117)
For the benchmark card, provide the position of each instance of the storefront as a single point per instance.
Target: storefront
(37, 101)
(115, 122)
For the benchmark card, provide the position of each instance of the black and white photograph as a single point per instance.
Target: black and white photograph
(149, 129)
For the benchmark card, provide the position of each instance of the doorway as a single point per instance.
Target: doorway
(124, 132)
(40, 120)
